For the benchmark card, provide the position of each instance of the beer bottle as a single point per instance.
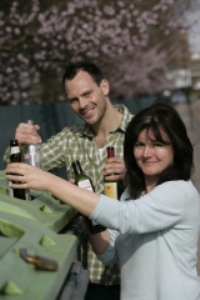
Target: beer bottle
(84, 182)
(15, 156)
(112, 189)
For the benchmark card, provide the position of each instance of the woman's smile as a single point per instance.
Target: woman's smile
(153, 157)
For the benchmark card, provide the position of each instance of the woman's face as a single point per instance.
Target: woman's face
(152, 156)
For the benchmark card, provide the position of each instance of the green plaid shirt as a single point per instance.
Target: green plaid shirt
(77, 143)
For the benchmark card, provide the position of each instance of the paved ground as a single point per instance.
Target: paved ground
(190, 114)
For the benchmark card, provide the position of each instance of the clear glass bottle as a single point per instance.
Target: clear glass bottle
(84, 182)
(31, 153)
(15, 156)
(112, 189)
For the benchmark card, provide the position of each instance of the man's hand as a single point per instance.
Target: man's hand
(114, 169)
(27, 134)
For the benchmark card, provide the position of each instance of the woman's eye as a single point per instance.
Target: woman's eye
(158, 144)
(138, 145)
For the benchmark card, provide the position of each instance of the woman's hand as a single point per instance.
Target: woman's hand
(28, 177)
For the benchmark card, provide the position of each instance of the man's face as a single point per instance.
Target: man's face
(87, 99)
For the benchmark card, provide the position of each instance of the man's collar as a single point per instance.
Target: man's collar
(124, 111)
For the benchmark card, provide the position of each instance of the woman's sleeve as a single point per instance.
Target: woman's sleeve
(110, 255)
(162, 208)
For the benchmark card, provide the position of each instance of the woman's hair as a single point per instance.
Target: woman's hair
(158, 117)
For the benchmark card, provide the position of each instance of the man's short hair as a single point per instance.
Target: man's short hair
(72, 70)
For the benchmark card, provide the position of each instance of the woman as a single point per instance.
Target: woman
(154, 229)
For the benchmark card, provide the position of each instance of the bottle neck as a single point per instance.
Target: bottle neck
(14, 147)
(77, 167)
(30, 122)
(110, 152)
(14, 150)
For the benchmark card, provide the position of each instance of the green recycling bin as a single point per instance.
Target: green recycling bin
(34, 260)
(37, 261)
(44, 207)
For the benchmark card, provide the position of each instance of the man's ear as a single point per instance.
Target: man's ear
(104, 85)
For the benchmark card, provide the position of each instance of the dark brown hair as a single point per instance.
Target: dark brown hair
(157, 117)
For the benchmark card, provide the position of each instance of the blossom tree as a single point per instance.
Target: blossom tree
(129, 39)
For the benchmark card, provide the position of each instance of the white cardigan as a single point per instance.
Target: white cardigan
(155, 242)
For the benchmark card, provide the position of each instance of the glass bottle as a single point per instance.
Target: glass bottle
(15, 156)
(84, 182)
(31, 153)
(112, 189)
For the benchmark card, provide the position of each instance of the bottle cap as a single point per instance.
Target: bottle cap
(110, 152)
(30, 122)
(77, 166)
(14, 143)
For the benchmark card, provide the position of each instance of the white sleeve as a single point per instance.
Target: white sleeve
(162, 208)
(110, 255)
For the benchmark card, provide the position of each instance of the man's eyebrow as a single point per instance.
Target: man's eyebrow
(71, 98)
(86, 92)
(83, 94)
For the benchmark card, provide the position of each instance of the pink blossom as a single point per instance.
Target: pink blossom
(8, 29)
(86, 29)
(17, 31)
(24, 95)
(9, 70)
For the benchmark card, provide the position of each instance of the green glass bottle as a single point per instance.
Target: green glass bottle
(84, 182)
(112, 189)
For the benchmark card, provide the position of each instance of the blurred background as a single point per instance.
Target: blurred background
(145, 47)
(148, 49)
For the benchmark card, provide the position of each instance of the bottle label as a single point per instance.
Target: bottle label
(32, 149)
(31, 155)
(85, 184)
(14, 150)
(110, 189)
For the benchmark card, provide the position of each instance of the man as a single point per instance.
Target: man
(87, 91)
